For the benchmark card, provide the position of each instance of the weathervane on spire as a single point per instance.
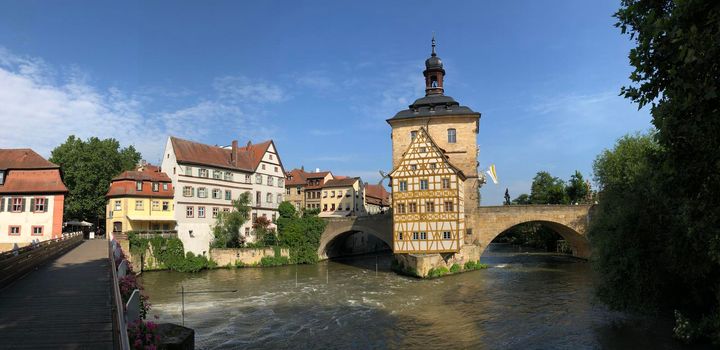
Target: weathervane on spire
(433, 44)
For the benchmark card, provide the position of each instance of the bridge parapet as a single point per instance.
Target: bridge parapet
(570, 221)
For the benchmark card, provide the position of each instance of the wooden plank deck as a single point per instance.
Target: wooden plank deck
(64, 304)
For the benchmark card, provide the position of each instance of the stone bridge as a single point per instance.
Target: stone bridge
(379, 226)
(569, 221)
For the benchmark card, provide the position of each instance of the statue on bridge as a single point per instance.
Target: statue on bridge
(507, 197)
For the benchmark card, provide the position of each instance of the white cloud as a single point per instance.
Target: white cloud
(316, 80)
(239, 88)
(40, 108)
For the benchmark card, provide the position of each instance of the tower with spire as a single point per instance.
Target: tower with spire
(435, 119)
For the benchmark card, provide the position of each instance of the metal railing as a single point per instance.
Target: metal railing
(18, 262)
(119, 326)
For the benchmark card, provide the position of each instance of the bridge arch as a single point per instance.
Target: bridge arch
(377, 226)
(578, 243)
(569, 221)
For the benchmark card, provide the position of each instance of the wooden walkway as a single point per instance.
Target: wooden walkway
(65, 304)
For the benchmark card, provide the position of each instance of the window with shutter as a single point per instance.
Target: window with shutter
(2, 204)
(32, 204)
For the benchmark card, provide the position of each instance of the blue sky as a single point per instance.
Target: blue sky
(319, 78)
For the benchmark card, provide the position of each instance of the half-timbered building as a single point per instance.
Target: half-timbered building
(428, 200)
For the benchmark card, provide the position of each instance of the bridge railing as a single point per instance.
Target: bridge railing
(120, 333)
(18, 262)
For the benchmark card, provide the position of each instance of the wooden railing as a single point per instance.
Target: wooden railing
(16, 263)
(119, 325)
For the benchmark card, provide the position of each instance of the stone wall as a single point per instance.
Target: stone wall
(421, 264)
(247, 256)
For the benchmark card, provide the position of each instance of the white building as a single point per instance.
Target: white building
(32, 199)
(207, 178)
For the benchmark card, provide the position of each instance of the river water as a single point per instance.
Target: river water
(524, 301)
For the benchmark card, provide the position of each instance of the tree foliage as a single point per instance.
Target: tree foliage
(87, 168)
(522, 199)
(546, 189)
(656, 234)
(300, 233)
(576, 189)
(226, 231)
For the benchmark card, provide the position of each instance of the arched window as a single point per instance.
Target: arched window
(452, 136)
(269, 198)
(433, 81)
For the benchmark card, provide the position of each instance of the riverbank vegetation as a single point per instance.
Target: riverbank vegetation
(168, 253)
(656, 230)
(298, 231)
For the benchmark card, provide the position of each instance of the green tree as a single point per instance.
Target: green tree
(87, 168)
(522, 199)
(226, 230)
(301, 234)
(546, 189)
(676, 73)
(576, 189)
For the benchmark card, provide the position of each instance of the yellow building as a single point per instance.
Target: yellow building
(140, 200)
(428, 200)
(342, 196)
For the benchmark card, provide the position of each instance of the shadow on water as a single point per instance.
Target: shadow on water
(382, 261)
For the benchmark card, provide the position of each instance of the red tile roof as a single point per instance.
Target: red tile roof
(376, 194)
(247, 158)
(125, 183)
(295, 177)
(151, 173)
(299, 177)
(23, 158)
(28, 172)
(320, 174)
(33, 181)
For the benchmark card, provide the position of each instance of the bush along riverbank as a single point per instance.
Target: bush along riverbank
(160, 253)
(438, 271)
(296, 241)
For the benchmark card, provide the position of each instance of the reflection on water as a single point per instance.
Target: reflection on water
(523, 301)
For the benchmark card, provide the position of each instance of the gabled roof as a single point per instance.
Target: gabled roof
(23, 158)
(423, 133)
(376, 194)
(247, 158)
(344, 182)
(299, 177)
(316, 175)
(125, 183)
(295, 177)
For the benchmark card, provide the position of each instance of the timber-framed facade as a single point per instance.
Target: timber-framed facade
(428, 200)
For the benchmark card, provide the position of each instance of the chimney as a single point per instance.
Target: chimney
(233, 153)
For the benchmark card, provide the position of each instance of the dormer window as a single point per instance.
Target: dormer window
(138, 185)
(2, 177)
